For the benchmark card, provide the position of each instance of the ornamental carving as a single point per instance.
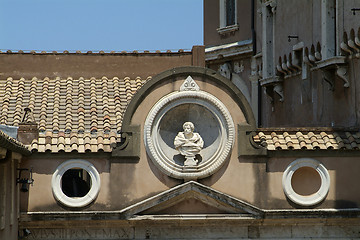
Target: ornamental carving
(202, 152)
(189, 144)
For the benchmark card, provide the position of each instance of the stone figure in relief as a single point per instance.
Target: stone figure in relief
(189, 144)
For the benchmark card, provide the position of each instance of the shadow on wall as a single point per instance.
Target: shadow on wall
(123, 183)
(168, 181)
(347, 180)
(345, 204)
(211, 180)
(227, 71)
(44, 166)
(344, 179)
(121, 179)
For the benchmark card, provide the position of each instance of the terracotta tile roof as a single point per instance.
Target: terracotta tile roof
(72, 114)
(308, 139)
(73, 142)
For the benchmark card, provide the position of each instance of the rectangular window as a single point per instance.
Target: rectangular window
(230, 12)
(228, 19)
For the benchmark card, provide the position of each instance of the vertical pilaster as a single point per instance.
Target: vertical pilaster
(254, 79)
(3, 188)
(268, 40)
(328, 35)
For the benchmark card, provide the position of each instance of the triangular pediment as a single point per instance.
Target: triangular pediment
(187, 205)
(192, 198)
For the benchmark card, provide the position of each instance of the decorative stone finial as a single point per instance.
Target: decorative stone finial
(189, 85)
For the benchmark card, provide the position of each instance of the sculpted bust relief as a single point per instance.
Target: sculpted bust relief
(189, 143)
(181, 154)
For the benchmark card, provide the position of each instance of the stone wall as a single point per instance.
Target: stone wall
(63, 65)
(223, 227)
(9, 196)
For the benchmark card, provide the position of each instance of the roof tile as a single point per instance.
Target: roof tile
(69, 106)
(307, 139)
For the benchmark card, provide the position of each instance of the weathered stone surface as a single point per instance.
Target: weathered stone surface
(198, 231)
(82, 233)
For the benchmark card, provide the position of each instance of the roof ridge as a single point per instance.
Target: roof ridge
(308, 140)
(137, 78)
(97, 52)
(308, 129)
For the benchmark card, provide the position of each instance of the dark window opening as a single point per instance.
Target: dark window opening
(75, 183)
(230, 12)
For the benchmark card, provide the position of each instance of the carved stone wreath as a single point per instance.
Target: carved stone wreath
(212, 121)
(312, 199)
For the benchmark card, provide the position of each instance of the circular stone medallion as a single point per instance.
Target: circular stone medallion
(301, 165)
(211, 120)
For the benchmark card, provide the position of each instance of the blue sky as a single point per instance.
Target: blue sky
(100, 24)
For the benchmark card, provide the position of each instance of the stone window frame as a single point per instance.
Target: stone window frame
(312, 199)
(80, 201)
(224, 28)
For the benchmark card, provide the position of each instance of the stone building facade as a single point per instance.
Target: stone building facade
(271, 152)
(303, 53)
(11, 153)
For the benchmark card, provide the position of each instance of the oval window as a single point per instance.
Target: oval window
(306, 182)
(75, 183)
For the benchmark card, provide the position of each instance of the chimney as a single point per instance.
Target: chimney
(28, 128)
(198, 56)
